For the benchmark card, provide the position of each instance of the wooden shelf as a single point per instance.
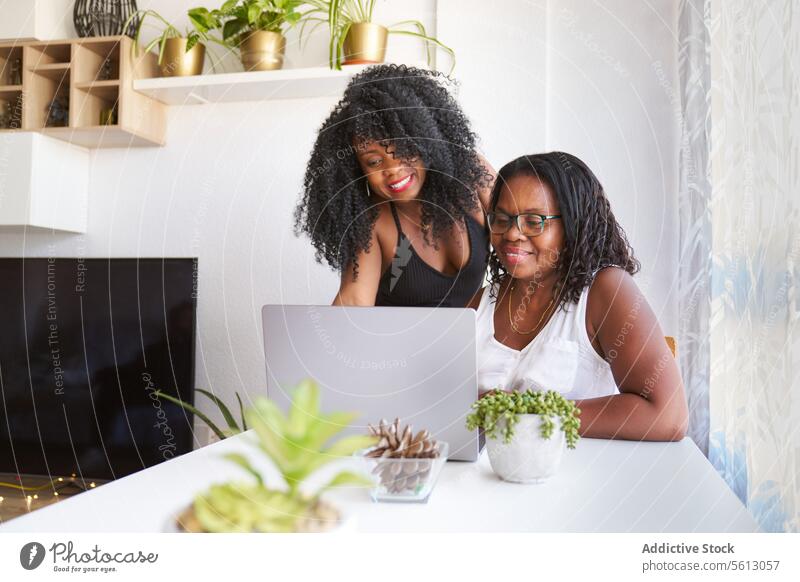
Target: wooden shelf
(11, 97)
(252, 86)
(8, 55)
(43, 69)
(46, 77)
(54, 71)
(88, 76)
(97, 84)
(48, 53)
(92, 55)
(73, 68)
(108, 90)
(100, 136)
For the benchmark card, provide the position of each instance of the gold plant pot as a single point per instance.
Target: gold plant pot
(179, 63)
(365, 43)
(262, 50)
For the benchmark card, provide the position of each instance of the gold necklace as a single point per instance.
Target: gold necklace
(511, 319)
(424, 229)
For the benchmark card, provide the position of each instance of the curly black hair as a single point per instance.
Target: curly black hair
(594, 238)
(412, 110)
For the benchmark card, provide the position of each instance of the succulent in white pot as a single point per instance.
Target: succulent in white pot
(526, 432)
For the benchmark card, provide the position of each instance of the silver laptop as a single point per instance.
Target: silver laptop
(415, 363)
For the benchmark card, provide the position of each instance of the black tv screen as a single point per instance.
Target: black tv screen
(84, 346)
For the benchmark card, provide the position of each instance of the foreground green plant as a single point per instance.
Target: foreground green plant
(500, 410)
(298, 444)
(342, 14)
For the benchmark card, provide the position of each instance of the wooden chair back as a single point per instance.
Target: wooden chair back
(673, 346)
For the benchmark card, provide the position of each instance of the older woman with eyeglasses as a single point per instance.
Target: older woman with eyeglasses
(562, 311)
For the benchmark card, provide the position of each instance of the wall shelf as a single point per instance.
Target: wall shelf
(108, 90)
(53, 70)
(251, 86)
(88, 79)
(85, 78)
(98, 136)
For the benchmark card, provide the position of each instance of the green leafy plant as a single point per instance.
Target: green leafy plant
(233, 426)
(193, 36)
(298, 444)
(500, 410)
(237, 18)
(342, 14)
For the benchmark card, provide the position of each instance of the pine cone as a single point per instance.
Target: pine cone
(395, 443)
(398, 475)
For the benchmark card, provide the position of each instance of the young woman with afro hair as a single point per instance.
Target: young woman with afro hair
(395, 193)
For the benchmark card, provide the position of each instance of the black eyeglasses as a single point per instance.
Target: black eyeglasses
(528, 224)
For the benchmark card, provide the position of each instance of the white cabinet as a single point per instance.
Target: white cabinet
(44, 182)
(36, 19)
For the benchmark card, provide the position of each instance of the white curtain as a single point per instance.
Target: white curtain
(694, 213)
(755, 208)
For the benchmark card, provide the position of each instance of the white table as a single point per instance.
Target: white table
(602, 486)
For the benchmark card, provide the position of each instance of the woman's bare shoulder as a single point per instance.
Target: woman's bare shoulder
(611, 285)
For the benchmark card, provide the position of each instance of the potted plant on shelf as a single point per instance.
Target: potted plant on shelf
(298, 445)
(356, 39)
(526, 432)
(179, 54)
(253, 27)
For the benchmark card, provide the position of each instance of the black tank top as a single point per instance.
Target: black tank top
(411, 282)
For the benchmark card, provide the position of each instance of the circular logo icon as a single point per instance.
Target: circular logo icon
(31, 555)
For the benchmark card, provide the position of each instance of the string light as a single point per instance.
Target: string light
(47, 485)
(53, 484)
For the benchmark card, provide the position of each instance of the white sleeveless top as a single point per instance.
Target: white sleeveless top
(560, 357)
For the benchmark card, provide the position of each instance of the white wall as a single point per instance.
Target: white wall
(225, 185)
(611, 84)
(501, 59)
(595, 79)
(39, 19)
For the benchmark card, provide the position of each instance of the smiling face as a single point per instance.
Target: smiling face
(390, 177)
(529, 257)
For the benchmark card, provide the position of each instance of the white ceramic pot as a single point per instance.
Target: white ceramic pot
(528, 458)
